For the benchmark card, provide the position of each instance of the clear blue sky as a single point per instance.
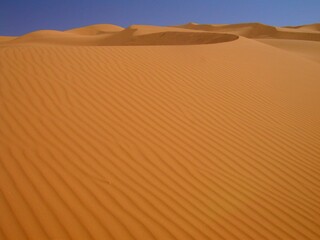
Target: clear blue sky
(22, 16)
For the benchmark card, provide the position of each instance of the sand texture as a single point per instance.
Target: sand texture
(185, 132)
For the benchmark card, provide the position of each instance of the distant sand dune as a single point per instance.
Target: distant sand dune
(197, 141)
(258, 30)
(129, 37)
(188, 34)
(96, 29)
(110, 35)
(310, 27)
(244, 29)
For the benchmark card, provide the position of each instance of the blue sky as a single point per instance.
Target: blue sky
(22, 16)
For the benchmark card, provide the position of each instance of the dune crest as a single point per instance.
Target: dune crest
(191, 33)
(96, 29)
(312, 27)
(258, 30)
(111, 35)
(4, 39)
(249, 30)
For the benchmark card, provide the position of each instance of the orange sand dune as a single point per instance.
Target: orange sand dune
(309, 27)
(111, 35)
(96, 29)
(179, 141)
(308, 49)
(258, 30)
(6, 39)
(243, 29)
(148, 35)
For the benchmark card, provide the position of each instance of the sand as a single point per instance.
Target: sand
(184, 132)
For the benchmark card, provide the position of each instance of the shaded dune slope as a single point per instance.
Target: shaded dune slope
(312, 27)
(147, 35)
(249, 30)
(256, 30)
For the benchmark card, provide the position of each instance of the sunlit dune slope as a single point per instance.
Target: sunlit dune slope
(96, 29)
(307, 49)
(179, 141)
(6, 39)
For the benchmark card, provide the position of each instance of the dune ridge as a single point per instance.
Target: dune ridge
(111, 35)
(258, 30)
(312, 27)
(196, 141)
(96, 29)
(187, 34)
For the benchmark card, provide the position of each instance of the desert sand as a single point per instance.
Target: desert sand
(180, 132)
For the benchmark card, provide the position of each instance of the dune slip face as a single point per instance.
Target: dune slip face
(161, 133)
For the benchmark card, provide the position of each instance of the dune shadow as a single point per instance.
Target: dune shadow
(172, 38)
(127, 37)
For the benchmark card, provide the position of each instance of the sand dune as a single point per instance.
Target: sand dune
(249, 30)
(187, 34)
(309, 27)
(6, 39)
(197, 141)
(307, 49)
(111, 35)
(148, 35)
(96, 29)
(258, 30)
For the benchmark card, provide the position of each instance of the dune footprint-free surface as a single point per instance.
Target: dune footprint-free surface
(185, 132)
